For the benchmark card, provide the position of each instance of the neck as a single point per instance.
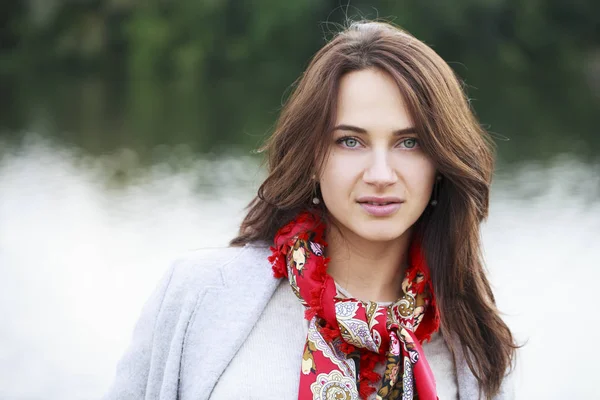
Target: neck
(368, 270)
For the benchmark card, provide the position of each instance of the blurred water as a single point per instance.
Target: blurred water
(83, 240)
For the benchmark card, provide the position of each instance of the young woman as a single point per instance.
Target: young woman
(357, 272)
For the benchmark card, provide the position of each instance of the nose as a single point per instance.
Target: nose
(379, 172)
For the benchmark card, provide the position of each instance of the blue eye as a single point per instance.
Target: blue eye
(349, 142)
(410, 143)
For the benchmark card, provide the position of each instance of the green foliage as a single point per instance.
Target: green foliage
(212, 73)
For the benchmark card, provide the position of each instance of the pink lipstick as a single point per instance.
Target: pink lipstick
(380, 206)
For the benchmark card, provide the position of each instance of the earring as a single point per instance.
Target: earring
(436, 188)
(315, 200)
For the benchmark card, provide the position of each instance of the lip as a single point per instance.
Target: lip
(380, 210)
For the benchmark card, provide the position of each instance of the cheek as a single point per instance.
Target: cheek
(337, 176)
(421, 179)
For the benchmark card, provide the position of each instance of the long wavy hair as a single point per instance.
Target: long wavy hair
(449, 134)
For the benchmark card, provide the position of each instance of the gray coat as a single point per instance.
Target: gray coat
(178, 322)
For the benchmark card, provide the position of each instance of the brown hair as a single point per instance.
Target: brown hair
(451, 136)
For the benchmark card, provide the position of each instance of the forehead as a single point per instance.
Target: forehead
(371, 99)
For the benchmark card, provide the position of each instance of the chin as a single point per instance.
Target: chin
(380, 234)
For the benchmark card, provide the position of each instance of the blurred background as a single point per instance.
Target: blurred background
(127, 130)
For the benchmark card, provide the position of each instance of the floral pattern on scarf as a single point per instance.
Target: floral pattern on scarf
(348, 337)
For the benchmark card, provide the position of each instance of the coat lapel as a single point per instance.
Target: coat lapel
(223, 317)
(468, 387)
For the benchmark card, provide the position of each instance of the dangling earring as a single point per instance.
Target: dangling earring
(436, 187)
(315, 200)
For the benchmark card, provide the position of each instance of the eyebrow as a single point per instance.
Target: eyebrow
(344, 127)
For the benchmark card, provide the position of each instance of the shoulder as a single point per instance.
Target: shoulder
(197, 265)
(212, 266)
(233, 280)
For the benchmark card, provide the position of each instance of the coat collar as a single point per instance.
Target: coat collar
(226, 311)
(468, 386)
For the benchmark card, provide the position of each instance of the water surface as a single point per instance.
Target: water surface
(85, 238)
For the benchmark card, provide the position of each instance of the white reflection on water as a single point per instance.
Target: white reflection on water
(79, 254)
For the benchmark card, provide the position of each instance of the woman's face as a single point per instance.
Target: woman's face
(376, 181)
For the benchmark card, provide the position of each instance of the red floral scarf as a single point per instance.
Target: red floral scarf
(347, 338)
